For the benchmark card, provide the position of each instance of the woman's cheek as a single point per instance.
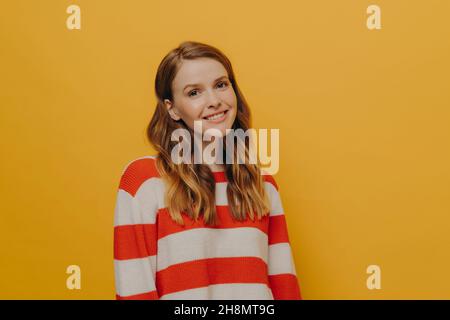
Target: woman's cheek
(193, 111)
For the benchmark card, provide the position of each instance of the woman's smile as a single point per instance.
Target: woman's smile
(217, 117)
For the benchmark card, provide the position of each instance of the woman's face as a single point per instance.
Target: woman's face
(201, 89)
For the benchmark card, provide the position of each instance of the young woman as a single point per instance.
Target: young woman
(212, 230)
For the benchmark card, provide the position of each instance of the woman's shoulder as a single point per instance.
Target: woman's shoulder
(269, 178)
(140, 164)
(137, 171)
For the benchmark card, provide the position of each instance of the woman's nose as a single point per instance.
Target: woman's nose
(213, 100)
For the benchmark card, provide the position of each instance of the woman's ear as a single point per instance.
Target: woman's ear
(171, 109)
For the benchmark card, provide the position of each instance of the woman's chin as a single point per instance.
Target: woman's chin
(216, 130)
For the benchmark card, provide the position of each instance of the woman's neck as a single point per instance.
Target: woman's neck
(216, 167)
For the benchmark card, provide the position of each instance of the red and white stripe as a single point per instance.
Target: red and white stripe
(154, 258)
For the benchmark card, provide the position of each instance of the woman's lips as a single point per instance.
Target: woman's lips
(218, 120)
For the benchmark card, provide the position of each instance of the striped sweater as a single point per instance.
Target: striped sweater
(155, 258)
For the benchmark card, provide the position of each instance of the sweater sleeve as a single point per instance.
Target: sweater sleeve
(135, 235)
(282, 275)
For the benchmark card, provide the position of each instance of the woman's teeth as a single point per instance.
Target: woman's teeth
(217, 116)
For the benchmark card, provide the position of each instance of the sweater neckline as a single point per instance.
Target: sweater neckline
(219, 176)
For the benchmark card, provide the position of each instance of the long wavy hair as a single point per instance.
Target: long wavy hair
(190, 188)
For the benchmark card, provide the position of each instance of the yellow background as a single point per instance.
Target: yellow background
(363, 118)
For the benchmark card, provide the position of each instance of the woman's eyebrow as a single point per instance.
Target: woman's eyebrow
(196, 84)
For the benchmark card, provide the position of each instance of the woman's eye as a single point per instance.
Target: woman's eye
(224, 83)
(190, 93)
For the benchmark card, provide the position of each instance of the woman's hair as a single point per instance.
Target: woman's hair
(191, 187)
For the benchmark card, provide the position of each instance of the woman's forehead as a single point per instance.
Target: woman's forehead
(198, 71)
